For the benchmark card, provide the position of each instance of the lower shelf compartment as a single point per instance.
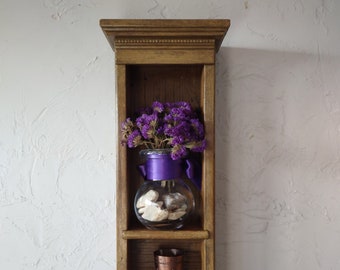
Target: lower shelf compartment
(141, 253)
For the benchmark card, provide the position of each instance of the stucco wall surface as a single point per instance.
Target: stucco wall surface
(277, 132)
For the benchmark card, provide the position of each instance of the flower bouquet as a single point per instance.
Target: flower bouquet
(166, 132)
(165, 125)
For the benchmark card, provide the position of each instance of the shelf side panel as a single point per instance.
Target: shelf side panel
(121, 194)
(208, 190)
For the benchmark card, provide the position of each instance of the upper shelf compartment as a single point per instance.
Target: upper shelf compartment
(165, 41)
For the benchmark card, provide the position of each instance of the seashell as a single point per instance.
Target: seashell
(174, 201)
(154, 213)
(176, 215)
(148, 198)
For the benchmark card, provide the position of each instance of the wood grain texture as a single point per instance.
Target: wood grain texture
(121, 173)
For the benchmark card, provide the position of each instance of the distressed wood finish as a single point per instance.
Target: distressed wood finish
(168, 61)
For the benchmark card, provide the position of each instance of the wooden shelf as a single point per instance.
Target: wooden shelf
(179, 234)
(167, 61)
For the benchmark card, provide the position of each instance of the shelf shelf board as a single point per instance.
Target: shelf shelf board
(180, 234)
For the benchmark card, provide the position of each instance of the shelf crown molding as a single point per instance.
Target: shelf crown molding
(165, 34)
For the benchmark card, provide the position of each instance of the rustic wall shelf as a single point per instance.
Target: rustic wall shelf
(168, 61)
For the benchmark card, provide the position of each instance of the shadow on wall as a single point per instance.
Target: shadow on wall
(277, 125)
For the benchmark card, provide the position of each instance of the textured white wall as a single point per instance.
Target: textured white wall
(278, 132)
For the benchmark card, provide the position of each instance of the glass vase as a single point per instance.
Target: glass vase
(164, 201)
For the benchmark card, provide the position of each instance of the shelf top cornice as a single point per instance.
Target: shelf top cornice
(153, 33)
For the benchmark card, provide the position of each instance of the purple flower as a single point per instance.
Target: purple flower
(134, 139)
(177, 114)
(157, 107)
(147, 125)
(199, 146)
(198, 128)
(178, 151)
(127, 126)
